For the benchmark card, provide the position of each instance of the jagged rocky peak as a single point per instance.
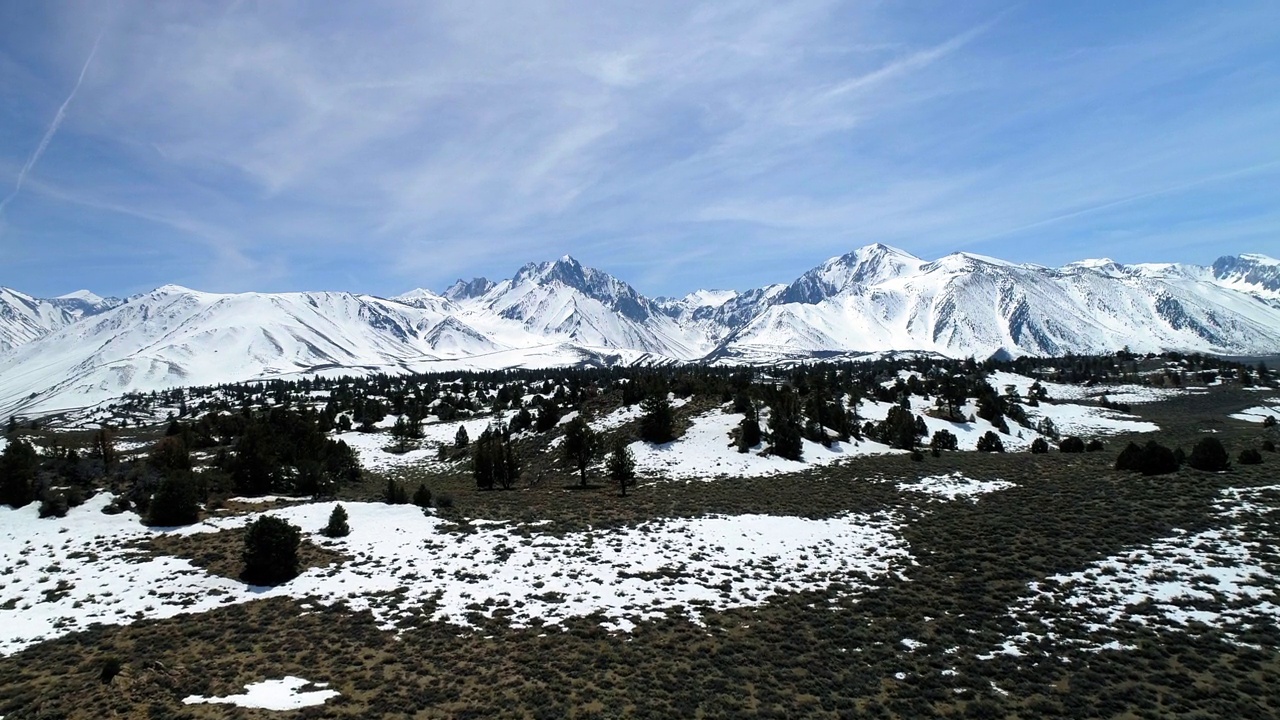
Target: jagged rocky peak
(866, 265)
(467, 289)
(1260, 271)
(595, 284)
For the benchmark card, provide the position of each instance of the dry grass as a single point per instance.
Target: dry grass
(803, 654)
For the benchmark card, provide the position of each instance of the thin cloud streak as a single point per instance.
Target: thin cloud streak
(52, 130)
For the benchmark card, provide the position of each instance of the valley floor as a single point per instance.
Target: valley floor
(967, 585)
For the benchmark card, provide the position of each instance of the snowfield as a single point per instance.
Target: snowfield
(1270, 408)
(63, 575)
(283, 694)
(1129, 394)
(1224, 578)
(706, 452)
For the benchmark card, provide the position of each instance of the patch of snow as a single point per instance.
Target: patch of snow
(61, 575)
(706, 452)
(1223, 577)
(283, 694)
(1261, 412)
(954, 485)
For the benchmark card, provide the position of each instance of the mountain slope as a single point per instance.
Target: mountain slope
(966, 304)
(81, 350)
(24, 318)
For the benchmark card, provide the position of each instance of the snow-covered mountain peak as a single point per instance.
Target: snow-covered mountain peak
(1102, 266)
(171, 289)
(708, 298)
(1259, 259)
(82, 295)
(465, 290)
(1250, 272)
(71, 352)
(427, 300)
(868, 265)
(960, 262)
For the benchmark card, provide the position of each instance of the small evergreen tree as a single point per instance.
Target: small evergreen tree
(1047, 428)
(337, 526)
(990, 442)
(1153, 459)
(657, 424)
(422, 496)
(899, 429)
(270, 551)
(581, 445)
(785, 438)
(1071, 444)
(622, 466)
(944, 440)
(176, 502)
(749, 434)
(1039, 446)
(394, 493)
(104, 447)
(460, 440)
(19, 466)
(1209, 455)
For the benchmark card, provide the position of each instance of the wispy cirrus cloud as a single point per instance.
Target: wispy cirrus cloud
(287, 145)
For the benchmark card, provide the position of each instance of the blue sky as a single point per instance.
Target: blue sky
(382, 146)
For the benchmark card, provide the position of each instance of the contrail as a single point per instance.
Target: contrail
(53, 128)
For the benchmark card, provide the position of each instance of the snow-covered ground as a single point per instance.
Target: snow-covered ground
(283, 694)
(1129, 393)
(371, 447)
(62, 575)
(706, 452)
(1224, 577)
(953, 486)
(1269, 408)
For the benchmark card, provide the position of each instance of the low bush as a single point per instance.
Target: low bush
(338, 526)
(990, 442)
(1153, 459)
(271, 551)
(1209, 455)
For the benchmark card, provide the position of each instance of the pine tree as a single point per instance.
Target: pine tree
(785, 439)
(270, 551)
(176, 502)
(657, 424)
(1209, 455)
(104, 447)
(581, 445)
(460, 440)
(394, 493)
(422, 496)
(622, 466)
(749, 434)
(944, 440)
(19, 466)
(899, 429)
(337, 526)
(990, 442)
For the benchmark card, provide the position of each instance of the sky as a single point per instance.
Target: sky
(380, 146)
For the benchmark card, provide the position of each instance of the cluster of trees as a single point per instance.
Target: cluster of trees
(1208, 455)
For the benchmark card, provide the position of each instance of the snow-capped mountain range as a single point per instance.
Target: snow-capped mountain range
(80, 350)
